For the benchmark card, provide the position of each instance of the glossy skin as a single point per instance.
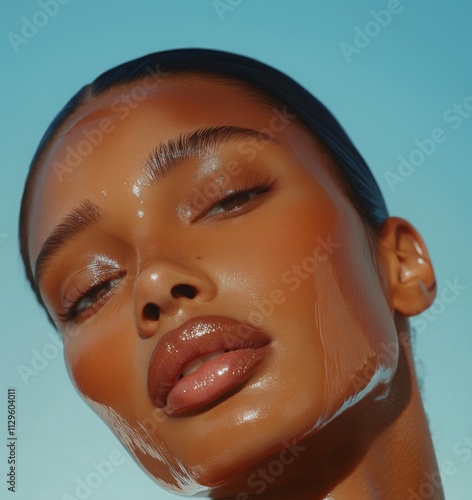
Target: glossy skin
(294, 260)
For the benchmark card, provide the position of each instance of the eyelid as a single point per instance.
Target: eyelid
(69, 304)
(263, 183)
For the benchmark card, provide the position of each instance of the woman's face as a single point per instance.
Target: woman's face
(234, 247)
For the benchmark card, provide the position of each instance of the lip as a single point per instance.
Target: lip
(245, 347)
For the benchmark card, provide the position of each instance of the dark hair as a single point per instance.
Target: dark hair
(357, 178)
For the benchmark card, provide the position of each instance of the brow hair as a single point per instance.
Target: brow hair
(74, 223)
(196, 144)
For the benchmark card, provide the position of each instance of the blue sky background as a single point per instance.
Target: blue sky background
(395, 90)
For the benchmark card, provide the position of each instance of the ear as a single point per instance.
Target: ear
(411, 280)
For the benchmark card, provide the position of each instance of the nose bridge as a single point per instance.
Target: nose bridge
(164, 287)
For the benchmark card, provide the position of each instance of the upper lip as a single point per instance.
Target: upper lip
(194, 338)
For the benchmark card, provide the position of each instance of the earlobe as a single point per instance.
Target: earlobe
(412, 284)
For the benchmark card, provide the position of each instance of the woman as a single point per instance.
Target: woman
(232, 293)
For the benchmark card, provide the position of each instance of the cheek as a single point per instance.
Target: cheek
(357, 331)
(265, 258)
(318, 289)
(105, 363)
(109, 369)
(278, 294)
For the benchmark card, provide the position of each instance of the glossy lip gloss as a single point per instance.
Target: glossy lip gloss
(203, 359)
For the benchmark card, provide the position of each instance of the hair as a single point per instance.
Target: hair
(357, 179)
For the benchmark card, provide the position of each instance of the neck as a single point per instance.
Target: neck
(400, 461)
(376, 450)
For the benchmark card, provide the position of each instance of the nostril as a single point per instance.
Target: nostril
(151, 311)
(186, 291)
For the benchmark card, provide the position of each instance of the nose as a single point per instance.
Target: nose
(164, 289)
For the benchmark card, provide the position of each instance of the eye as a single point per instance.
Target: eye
(233, 201)
(95, 295)
(89, 299)
(237, 200)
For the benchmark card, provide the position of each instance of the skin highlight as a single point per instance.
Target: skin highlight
(338, 382)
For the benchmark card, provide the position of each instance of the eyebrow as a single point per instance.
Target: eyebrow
(159, 163)
(77, 221)
(197, 144)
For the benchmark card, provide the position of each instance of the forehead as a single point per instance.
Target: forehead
(111, 135)
(208, 95)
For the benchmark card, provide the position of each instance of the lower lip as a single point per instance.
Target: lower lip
(213, 379)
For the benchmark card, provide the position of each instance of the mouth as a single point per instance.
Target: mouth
(203, 360)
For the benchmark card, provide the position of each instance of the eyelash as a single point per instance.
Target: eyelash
(258, 186)
(71, 313)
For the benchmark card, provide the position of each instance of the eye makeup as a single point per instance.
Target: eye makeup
(89, 289)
